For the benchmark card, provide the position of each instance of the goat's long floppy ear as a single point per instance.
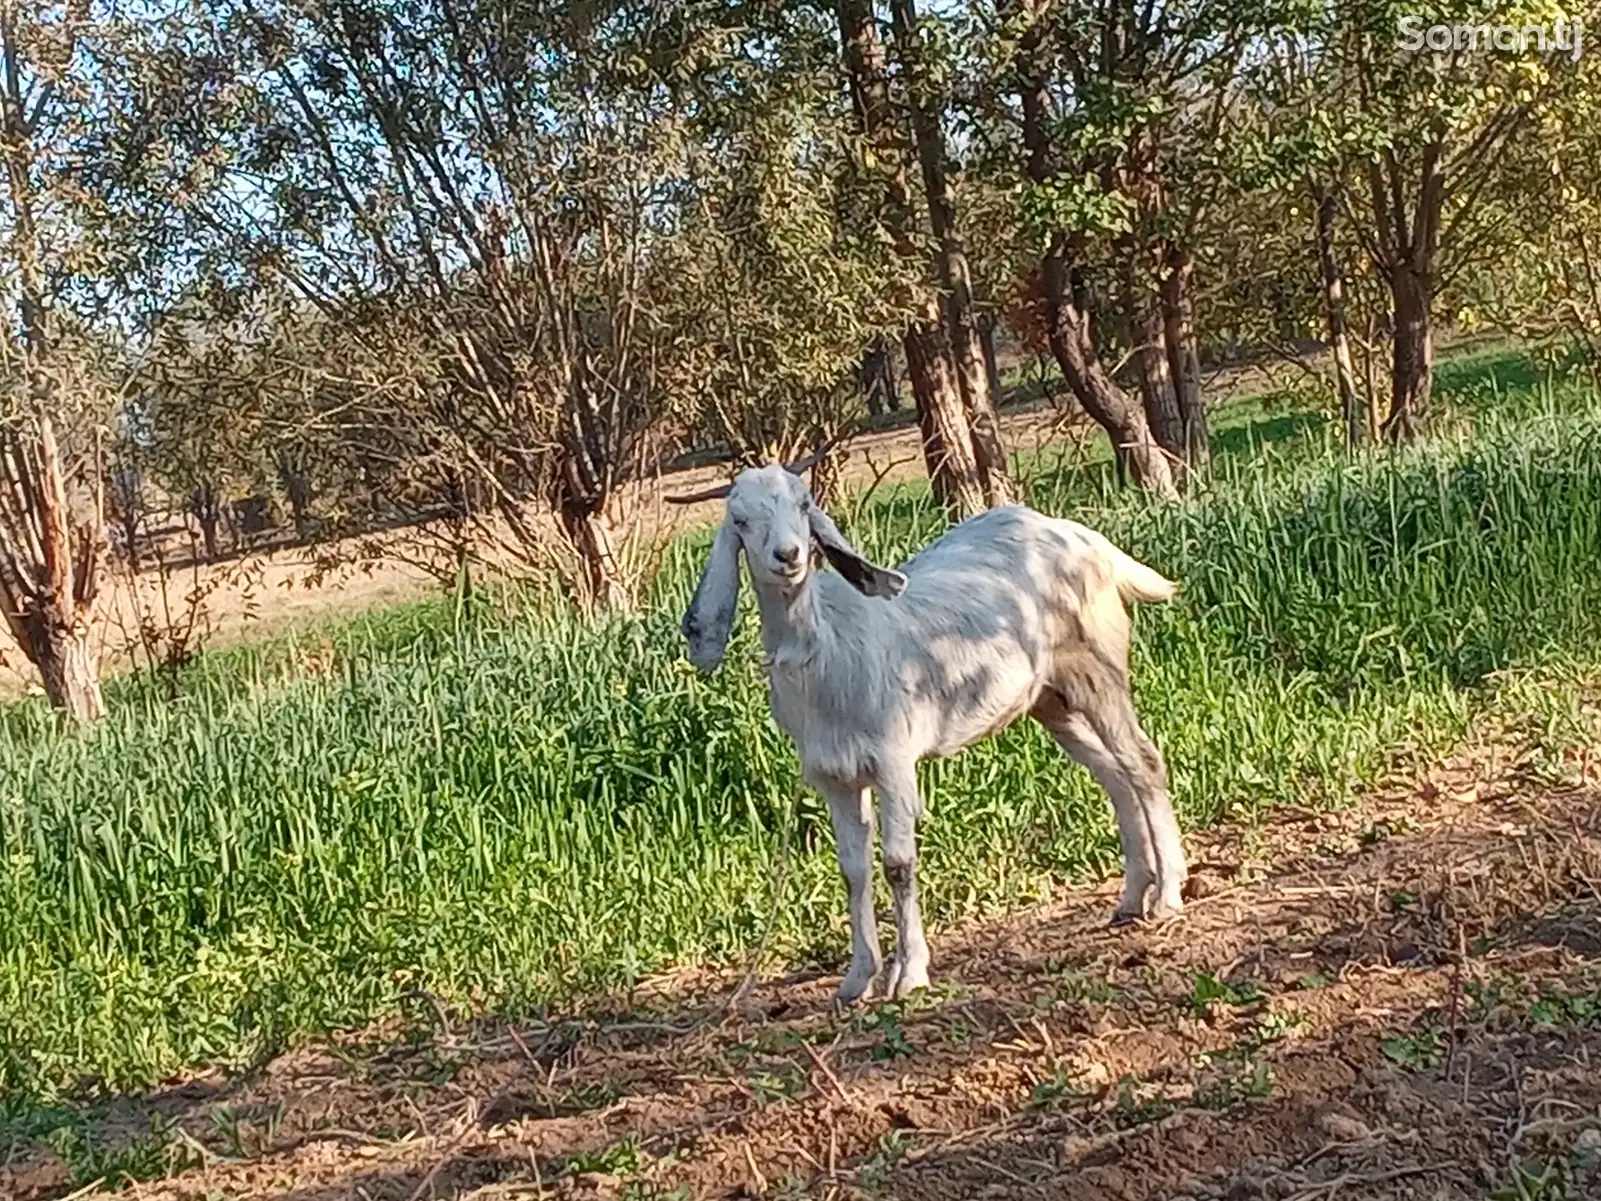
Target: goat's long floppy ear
(710, 617)
(865, 577)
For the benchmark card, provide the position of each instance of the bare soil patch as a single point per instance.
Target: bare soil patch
(1400, 999)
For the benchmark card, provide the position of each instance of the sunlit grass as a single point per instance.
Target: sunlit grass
(509, 809)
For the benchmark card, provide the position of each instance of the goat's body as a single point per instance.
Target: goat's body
(994, 612)
(1009, 613)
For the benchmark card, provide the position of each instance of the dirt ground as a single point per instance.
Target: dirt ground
(1397, 1000)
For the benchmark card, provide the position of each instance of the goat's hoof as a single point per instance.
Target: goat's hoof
(904, 979)
(1165, 911)
(852, 989)
(1158, 914)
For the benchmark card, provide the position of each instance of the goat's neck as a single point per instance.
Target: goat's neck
(792, 632)
(799, 626)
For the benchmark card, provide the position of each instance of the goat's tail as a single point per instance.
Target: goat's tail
(1136, 581)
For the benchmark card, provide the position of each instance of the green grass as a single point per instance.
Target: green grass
(508, 811)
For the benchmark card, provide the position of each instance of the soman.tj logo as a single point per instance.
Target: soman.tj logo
(1564, 35)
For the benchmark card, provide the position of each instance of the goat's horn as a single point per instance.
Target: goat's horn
(690, 498)
(818, 455)
(801, 466)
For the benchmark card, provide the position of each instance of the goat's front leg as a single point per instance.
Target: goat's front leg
(899, 807)
(850, 811)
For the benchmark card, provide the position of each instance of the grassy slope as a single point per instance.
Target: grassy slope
(514, 808)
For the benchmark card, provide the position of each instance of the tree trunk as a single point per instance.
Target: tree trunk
(301, 516)
(208, 534)
(1151, 370)
(1370, 377)
(207, 510)
(127, 509)
(1412, 352)
(953, 471)
(586, 532)
(130, 537)
(50, 557)
(1184, 356)
(1067, 329)
(992, 366)
(942, 412)
(1066, 321)
(50, 611)
(1408, 244)
(950, 260)
(978, 400)
(62, 652)
(1334, 314)
(297, 490)
(874, 378)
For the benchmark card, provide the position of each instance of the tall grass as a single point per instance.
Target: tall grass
(508, 810)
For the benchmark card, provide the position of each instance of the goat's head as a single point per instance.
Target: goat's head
(772, 518)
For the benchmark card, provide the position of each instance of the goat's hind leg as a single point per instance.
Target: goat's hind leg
(851, 812)
(1074, 734)
(1128, 766)
(1151, 786)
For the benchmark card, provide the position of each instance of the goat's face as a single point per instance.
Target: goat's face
(772, 518)
(770, 511)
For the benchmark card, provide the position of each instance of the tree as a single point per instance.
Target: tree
(1299, 140)
(482, 174)
(205, 400)
(779, 302)
(84, 97)
(954, 471)
(1182, 346)
(876, 377)
(1326, 204)
(1408, 153)
(1138, 103)
(1064, 201)
(1552, 211)
(128, 503)
(1440, 127)
(49, 545)
(926, 108)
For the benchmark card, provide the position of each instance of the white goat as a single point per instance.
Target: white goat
(871, 670)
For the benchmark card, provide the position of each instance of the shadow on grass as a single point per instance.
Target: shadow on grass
(1266, 429)
(1503, 369)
